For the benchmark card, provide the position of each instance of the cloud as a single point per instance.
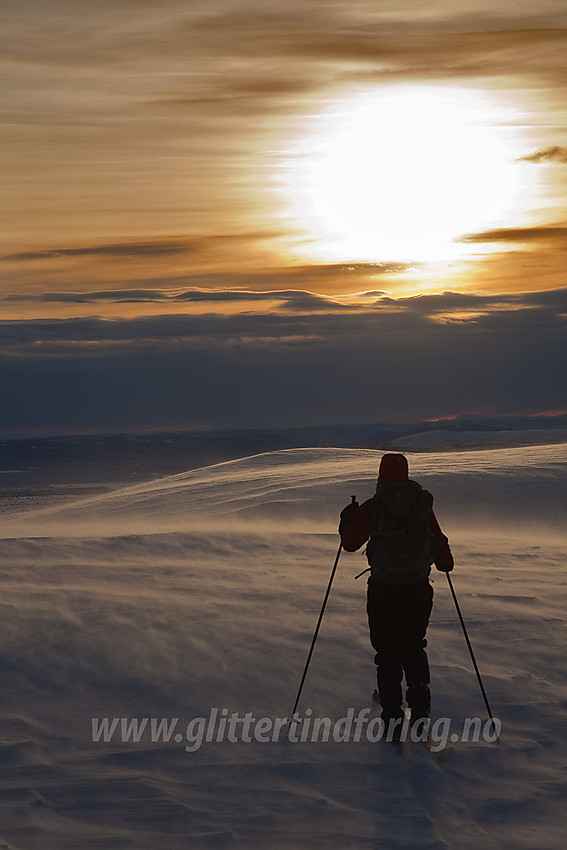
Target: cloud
(294, 300)
(410, 357)
(427, 43)
(554, 153)
(164, 296)
(557, 233)
(225, 287)
(111, 162)
(132, 249)
(155, 248)
(207, 38)
(113, 295)
(366, 303)
(304, 52)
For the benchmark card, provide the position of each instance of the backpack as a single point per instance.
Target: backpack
(401, 546)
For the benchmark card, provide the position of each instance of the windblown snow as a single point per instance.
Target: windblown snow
(201, 591)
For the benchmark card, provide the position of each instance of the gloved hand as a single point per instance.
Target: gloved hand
(347, 514)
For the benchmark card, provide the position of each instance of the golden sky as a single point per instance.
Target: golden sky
(268, 158)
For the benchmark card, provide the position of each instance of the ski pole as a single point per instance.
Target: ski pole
(318, 626)
(316, 630)
(470, 647)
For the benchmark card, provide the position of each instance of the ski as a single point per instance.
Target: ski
(408, 734)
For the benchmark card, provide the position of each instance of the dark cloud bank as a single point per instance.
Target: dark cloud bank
(423, 357)
(553, 153)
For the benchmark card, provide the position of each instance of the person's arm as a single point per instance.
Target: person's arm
(443, 555)
(356, 525)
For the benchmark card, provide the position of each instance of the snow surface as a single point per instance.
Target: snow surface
(444, 440)
(202, 590)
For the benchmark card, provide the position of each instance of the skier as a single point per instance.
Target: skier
(404, 540)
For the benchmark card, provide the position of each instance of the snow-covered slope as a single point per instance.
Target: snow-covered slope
(443, 440)
(305, 489)
(201, 591)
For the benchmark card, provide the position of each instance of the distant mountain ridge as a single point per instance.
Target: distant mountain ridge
(441, 440)
(111, 458)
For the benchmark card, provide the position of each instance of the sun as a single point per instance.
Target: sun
(399, 173)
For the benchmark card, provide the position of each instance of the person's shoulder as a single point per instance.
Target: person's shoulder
(369, 503)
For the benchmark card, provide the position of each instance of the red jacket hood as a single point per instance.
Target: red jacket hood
(393, 467)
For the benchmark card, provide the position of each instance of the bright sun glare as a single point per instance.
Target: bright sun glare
(398, 173)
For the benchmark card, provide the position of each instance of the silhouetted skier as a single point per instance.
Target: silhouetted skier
(404, 540)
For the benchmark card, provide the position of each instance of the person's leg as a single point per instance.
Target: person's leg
(417, 610)
(389, 679)
(384, 624)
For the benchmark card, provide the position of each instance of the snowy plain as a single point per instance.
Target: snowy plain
(444, 440)
(201, 590)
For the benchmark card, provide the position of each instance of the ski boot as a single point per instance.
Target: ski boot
(418, 698)
(393, 722)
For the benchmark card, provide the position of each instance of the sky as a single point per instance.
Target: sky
(268, 214)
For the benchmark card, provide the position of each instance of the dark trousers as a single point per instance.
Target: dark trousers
(398, 616)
